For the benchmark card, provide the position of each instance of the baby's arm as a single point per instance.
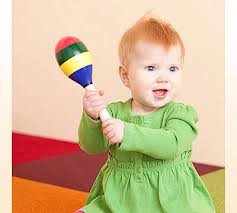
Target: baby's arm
(166, 143)
(91, 138)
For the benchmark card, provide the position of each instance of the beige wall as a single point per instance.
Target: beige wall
(47, 103)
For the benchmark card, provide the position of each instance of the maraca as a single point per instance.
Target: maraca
(75, 61)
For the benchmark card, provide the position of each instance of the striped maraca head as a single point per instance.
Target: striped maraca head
(75, 60)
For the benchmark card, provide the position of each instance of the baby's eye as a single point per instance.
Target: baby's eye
(150, 68)
(173, 68)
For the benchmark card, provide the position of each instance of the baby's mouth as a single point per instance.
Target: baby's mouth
(160, 93)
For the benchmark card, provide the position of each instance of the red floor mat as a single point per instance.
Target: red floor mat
(26, 148)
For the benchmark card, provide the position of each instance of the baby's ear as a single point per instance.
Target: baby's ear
(124, 75)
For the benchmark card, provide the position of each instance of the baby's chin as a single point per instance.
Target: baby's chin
(162, 102)
(151, 103)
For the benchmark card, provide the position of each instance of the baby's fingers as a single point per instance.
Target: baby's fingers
(110, 135)
(89, 93)
(98, 102)
(101, 93)
(107, 122)
(113, 139)
(108, 129)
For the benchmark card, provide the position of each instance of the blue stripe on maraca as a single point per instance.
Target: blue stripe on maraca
(83, 76)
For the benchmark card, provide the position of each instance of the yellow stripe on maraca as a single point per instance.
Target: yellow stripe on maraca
(75, 63)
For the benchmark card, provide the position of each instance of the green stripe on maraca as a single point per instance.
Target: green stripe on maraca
(70, 51)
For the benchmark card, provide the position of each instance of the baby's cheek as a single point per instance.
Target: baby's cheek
(176, 91)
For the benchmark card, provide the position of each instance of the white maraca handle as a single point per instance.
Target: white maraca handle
(104, 114)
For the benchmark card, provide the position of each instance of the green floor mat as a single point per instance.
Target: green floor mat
(215, 183)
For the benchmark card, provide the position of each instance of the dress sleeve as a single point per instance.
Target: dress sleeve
(91, 137)
(164, 143)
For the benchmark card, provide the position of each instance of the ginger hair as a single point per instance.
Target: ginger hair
(149, 29)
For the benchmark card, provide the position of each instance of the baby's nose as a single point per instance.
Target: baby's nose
(162, 81)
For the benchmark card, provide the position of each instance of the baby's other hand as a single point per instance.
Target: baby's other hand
(113, 130)
(93, 103)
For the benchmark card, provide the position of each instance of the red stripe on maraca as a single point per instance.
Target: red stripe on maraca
(64, 42)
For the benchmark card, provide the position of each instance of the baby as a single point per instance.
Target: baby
(150, 136)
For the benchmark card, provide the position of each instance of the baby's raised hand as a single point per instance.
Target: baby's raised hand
(93, 103)
(113, 130)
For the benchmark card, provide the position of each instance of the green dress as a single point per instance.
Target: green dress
(151, 170)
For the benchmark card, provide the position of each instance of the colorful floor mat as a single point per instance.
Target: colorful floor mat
(51, 176)
(35, 197)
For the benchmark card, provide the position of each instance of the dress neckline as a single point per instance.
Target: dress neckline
(129, 110)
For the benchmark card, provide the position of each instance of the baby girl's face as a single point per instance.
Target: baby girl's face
(154, 75)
